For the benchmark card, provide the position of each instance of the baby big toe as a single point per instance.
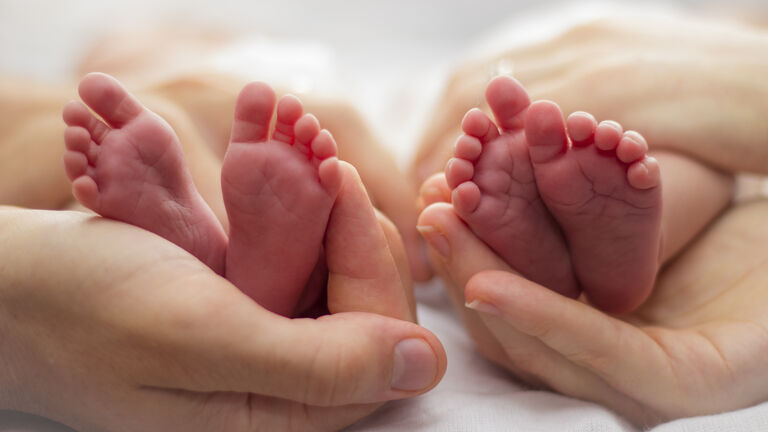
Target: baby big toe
(545, 132)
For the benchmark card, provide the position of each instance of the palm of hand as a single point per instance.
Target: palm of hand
(143, 326)
(696, 347)
(707, 315)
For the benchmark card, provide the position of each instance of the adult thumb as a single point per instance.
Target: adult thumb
(341, 359)
(353, 358)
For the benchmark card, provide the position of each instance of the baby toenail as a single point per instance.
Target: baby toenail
(436, 240)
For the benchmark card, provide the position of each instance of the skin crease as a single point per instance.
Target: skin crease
(199, 358)
(697, 345)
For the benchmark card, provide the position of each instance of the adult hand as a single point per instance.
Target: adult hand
(687, 86)
(698, 346)
(101, 321)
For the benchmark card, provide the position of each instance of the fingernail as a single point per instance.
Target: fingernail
(435, 239)
(415, 365)
(483, 307)
(432, 194)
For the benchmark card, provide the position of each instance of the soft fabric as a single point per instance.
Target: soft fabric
(478, 396)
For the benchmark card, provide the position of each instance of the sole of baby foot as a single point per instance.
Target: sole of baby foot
(279, 186)
(605, 193)
(128, 165)
(494, 190)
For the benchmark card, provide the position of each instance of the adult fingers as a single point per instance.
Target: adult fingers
(396, 247)
(343, 358)
(575, 330)
(363, 275)
(446, 234)
(226, 343)
(102, 408)
(396, 198)
(459, 256)
(389, 189)
(447, 237)
(163, 319)
(463, 257)
(617, 352)
(434, 190)
(271, 414)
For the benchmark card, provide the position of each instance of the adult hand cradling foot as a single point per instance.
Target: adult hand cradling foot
(697, 345)
(106, 320)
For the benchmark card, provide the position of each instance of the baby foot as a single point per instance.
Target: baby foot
(606, 195)
(130, 167)
(495, 193)
(278, 193)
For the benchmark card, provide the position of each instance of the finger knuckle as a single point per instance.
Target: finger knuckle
(335, 376)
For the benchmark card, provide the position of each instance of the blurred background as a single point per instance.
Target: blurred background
(388, 57)
(46, 37)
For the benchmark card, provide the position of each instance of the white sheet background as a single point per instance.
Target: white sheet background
(392, 58)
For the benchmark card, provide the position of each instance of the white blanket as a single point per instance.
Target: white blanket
(477, 396)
